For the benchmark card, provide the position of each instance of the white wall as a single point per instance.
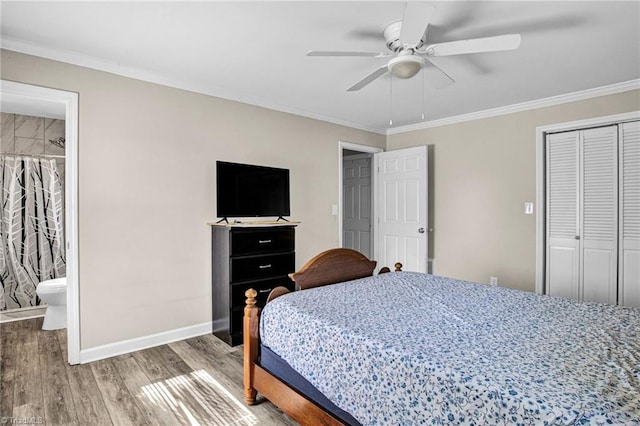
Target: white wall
(147, 158)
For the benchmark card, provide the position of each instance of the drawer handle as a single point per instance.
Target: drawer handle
(265, 266)
(264, 241)
(267, 290)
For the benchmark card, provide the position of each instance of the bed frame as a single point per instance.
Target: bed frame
(329, 267)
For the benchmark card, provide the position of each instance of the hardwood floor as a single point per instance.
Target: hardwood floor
(194, 381)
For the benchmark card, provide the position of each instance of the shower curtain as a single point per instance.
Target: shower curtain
(31, 228)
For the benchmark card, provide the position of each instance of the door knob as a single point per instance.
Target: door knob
(421, 230)
(577, 237)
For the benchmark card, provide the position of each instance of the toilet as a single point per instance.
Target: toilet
(54, 294)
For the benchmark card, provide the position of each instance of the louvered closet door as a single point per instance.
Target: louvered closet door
(629, 276)
(599, 215)
(562, 261)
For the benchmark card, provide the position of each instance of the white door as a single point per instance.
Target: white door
(629, 276)
(401, 206)
(582, 215)
(563, 244)
(599, 215)
(356, 210)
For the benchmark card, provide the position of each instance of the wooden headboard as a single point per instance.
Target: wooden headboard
(330, 267)
(333, 266)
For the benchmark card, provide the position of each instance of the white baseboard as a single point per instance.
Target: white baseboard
(139, 343)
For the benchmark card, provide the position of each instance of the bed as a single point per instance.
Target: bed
(410, 348)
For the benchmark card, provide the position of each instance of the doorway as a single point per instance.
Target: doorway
(356, 198)
(28, 100)
(397, 218)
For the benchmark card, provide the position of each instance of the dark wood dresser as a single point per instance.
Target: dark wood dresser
(247, 256)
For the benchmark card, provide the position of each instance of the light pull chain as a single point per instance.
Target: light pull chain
(391, 100)
(422, 92)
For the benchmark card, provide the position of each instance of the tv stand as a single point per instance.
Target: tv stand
(281, 218)
(224, 219)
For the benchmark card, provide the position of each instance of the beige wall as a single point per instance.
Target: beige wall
(482, 172)
(147, 158)
(146, 189)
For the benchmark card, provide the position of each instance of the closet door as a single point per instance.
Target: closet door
(599, 215)
(629, 276)
(562, 257)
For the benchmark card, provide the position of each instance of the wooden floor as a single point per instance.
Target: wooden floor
(194, 381)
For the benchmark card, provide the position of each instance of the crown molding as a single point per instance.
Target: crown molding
(87, 61)
(611, 89)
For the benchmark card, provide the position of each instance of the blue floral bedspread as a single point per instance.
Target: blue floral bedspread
(408, 348)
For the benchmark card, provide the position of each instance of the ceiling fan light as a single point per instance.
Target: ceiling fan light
(405, 66)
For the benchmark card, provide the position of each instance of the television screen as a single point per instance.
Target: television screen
(245, 190)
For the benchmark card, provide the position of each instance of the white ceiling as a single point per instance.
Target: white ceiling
(254, 52)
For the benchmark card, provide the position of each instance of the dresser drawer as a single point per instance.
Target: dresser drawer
(262, 287)
(261, 267)
(257, 241)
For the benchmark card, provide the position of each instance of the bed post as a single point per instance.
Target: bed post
(250, 340)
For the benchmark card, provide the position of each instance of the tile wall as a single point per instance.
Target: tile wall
(25, 134)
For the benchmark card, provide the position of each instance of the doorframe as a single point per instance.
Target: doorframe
(342, 145)
(70, 102)
(541, 136)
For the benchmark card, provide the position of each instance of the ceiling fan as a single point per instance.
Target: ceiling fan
(411, 58)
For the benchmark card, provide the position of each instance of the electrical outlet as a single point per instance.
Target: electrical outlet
(493, 281)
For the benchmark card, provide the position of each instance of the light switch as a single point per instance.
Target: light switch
(528, 207)
(334, 209)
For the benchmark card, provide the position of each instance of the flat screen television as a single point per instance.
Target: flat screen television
(246, 190)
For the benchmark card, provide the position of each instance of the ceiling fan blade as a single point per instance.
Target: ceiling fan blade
(369, 78)
(339, 53)
(476, 45)
(415, 22)
(435, 76)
